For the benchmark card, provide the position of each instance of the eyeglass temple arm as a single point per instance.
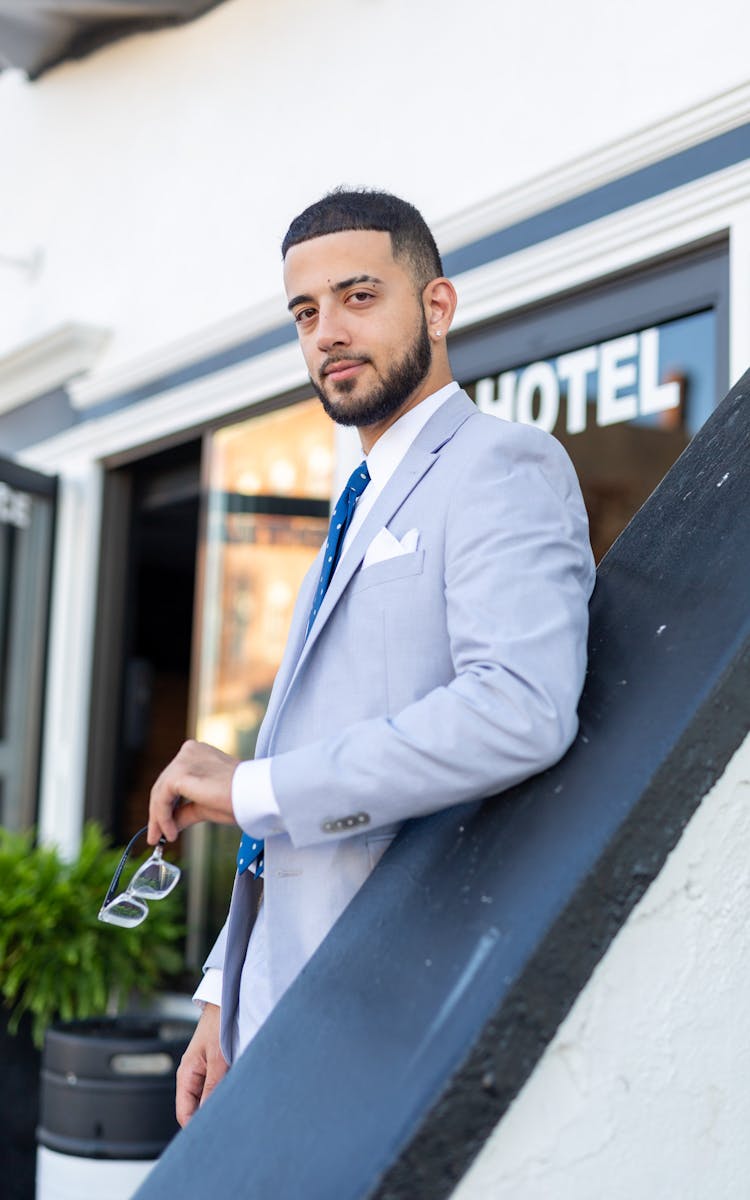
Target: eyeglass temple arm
(121, 865)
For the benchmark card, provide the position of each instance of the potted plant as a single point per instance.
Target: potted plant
(58, 962)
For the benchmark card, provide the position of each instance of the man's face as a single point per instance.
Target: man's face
(361, 326)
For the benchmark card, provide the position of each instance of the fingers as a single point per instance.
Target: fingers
(202, 1066)
(191, 1079)
(170, 806)
(164, 797)
(217, 1069)
(199, 777)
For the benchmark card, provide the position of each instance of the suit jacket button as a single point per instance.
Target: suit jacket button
(327, 827)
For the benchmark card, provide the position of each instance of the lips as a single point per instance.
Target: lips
(343, 369)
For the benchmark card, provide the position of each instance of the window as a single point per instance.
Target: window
(623, 374)
(267, 505)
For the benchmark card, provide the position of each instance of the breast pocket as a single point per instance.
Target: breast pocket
(401, 566)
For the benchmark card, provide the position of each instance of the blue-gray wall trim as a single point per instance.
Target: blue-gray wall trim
(281, 335)
(36, 420)
(724, 150)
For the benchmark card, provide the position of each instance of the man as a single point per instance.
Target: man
(437, 650)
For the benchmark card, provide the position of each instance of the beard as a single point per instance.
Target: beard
(387, 397)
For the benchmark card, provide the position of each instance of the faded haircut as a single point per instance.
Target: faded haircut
(343, 209)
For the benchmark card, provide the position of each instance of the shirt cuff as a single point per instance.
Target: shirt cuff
(254, 801)
(208, 990)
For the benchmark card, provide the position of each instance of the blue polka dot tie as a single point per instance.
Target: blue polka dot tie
(251, 849)
(341, 518)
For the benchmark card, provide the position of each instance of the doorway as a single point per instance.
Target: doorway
(141, 684)
(204, 547)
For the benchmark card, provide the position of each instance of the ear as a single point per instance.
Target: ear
(439, 300)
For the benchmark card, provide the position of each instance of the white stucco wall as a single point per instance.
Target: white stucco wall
(644, 1090)
(159, 174)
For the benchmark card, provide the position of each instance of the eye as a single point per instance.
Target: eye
(361, 297)
(304, 314)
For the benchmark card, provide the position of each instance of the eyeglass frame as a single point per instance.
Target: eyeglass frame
(155, 855)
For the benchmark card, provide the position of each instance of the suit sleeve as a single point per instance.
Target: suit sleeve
(518, 573)
(215, 960)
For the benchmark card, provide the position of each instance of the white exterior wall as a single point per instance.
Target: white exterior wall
(158, 175)
(644, 1089)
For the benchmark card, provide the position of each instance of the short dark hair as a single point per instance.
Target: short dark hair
(362, 208)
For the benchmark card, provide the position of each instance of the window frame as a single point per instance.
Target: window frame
(689, 280)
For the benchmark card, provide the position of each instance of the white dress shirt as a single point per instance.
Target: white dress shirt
(253, 799)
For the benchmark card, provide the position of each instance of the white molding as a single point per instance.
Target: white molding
(181, 408)
(72, 619)
(612, 161)
(655, 227)
(49, 361)
(175, 356)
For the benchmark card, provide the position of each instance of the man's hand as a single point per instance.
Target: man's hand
(202, 1065)
(199, 776)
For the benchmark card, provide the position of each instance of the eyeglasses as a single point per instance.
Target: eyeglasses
(152, 881)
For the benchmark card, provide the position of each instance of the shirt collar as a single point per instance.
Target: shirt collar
(392, 445)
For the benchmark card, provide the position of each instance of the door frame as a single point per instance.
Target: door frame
(25, 602)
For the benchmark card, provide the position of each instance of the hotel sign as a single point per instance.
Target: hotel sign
(616, 380)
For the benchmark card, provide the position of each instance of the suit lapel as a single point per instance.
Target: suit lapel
(417, 461)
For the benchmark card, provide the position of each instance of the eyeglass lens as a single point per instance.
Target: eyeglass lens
(153, 880)
(125, 911)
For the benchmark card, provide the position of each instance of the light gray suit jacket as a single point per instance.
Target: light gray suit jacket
(428, 679)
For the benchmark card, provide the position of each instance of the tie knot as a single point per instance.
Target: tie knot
(358, 480)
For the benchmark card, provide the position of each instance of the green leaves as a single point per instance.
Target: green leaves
(57, 961)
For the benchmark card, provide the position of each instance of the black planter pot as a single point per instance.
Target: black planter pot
(107, 1086)
(19, 1110)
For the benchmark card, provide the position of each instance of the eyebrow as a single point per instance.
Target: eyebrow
(336, 287)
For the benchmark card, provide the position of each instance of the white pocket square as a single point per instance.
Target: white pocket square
(384, 545)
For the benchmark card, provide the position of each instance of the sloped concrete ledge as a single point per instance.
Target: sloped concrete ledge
(396, 1052)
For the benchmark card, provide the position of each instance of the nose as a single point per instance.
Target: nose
(331, 330)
